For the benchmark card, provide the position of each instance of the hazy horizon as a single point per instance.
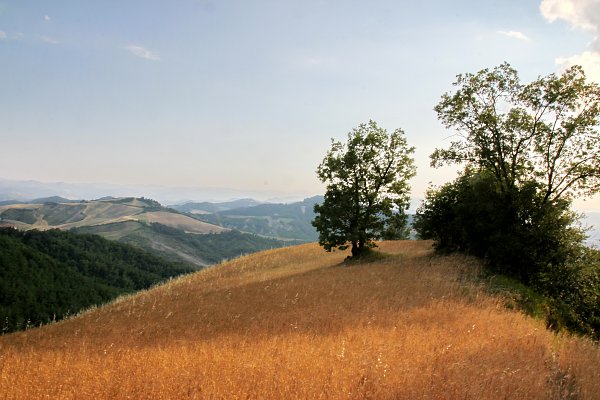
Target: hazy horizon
(245, 96)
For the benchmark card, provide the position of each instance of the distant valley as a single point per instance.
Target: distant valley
(199, 234)
(59, 256)
(282, 221)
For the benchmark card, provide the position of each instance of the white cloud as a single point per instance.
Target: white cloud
(2, 35)
(48, 39)
(589, 60)
(46, 18)
(513, 34)
(583, 14)
(579, 14)
(142, 52)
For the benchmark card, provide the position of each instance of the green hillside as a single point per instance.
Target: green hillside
(145, 224)
(199, 250)
(45, 276)
(283, 221)
(208, 207)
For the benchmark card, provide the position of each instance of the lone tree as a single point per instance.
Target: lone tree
(367, 189)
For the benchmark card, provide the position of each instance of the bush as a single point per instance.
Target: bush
(521, 236)
(574, 293)
(515, 232)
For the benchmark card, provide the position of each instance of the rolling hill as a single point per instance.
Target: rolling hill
(140, 222)
(206, 207)
(281, 221)
(300, 323)
(51, 215)
(198, 250)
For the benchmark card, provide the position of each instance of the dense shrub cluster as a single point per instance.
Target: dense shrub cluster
(516, 232)
(573, 290)
(520, 236)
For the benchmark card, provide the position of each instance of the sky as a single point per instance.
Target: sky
(247, 95)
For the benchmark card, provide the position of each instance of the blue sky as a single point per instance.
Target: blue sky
(248, 94)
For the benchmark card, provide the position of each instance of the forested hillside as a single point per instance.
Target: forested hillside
(145, 224)
(283, 221)
(200, 250)
(45, 276)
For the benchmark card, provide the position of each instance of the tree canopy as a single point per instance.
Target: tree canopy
(545, 131)
(367, 189)
(528, 150)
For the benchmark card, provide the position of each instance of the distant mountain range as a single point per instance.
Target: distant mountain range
(24, 191)
(41, 200)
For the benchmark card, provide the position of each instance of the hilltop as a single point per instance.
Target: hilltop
(300, 323)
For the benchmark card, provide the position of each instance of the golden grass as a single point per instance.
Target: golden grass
(296, 323)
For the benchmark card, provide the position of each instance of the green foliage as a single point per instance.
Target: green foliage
(518, 295)
(544, 132)
(45, 276)
(151, 203)
(517, 233)
(574, 292)
(567, 296)
(367, 189)
(529, 150)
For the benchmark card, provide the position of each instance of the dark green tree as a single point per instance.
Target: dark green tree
(528, 149)
(367, 189)
(517, 233)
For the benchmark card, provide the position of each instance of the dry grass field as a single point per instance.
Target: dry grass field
(297, 323)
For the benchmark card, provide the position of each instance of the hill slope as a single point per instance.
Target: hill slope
(295, 323)
(47, 275)
(141, 222)
(282, 221)
(98, 212)
(198, 250)
(207, 207)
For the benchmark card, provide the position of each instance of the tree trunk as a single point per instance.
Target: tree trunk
(355, 249)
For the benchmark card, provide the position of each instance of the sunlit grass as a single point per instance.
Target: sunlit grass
(299, 323)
